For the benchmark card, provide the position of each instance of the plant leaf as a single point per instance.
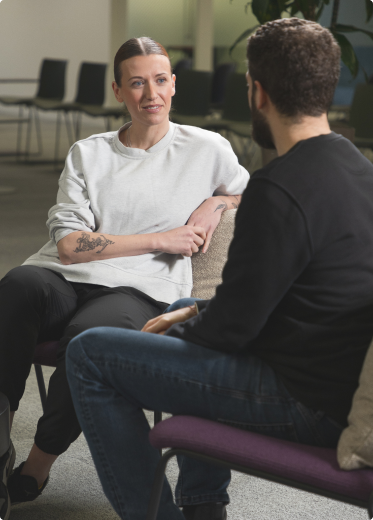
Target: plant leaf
(266, 10)
(369, 9)
(350, 28)
(259, 9)
(349, 57)
(321, 9)
(242, 36)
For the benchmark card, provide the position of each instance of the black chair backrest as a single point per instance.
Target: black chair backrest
(52, 79)
(91, 84)
(193, 88)
(181, 65)
(219, 82)
(361, 112)
(236, 102)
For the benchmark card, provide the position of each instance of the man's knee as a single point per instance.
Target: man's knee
(180, 304)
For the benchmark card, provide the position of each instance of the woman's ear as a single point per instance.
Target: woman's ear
(116, 91)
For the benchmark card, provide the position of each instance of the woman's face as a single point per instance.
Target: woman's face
(147, 87)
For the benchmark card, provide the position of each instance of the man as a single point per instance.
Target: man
(279, 348)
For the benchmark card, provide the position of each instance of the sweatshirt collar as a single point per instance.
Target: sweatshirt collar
(137, 153)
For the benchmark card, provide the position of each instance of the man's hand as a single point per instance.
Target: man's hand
(161, 323)
(207, 215)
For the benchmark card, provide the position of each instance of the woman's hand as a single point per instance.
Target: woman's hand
(161, 323)
(208, 214)
(184, 240)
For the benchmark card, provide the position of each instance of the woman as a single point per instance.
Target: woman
(120, 251)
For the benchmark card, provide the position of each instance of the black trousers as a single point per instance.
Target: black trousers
(37, 305)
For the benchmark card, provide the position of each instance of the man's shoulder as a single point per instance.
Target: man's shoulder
(323, 158)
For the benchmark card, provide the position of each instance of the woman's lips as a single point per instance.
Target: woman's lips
(152, 109)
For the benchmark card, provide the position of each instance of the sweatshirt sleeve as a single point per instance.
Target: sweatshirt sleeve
(270, 248)
(233, 177)
(72, 211)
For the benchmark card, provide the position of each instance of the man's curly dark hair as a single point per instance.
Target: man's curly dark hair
(297, 62)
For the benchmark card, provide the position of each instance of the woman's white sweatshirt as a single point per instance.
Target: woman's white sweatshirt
(108, 188)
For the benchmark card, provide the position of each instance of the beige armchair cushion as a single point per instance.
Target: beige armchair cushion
(355, 446)
(207, 267)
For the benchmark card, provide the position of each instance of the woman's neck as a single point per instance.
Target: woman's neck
(144, 137)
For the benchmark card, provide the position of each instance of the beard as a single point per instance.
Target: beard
(261, 132)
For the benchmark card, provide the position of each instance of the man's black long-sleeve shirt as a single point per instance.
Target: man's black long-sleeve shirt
(297, 288)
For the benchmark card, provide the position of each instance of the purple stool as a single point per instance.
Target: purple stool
(297, 465)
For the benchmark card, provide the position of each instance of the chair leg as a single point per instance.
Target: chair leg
(155, 496)
(57, 142)
(157, 419)
(41, 385)
(77, 125)
(19, 132)
(68, 129)
(370, 505)
(28, 137)
(38, 133)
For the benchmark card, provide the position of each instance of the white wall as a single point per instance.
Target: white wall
(31, 30)
(78, 30)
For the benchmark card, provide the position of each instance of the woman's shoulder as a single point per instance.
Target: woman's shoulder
(199, 135)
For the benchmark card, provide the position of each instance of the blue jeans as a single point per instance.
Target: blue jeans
(115, 373)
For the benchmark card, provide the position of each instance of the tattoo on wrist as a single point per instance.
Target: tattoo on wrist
(234, 205)
(85, 244)
(221, 206)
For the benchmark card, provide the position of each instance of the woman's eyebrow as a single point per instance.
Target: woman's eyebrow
(140, 77)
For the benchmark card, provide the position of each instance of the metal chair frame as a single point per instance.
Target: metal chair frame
(162, 464)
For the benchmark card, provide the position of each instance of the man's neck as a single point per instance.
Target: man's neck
(287, 133)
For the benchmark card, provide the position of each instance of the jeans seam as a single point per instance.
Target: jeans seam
(230, 392)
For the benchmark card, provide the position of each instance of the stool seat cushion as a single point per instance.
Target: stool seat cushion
(306, 464)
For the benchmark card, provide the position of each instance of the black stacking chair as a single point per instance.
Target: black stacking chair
(90, 92)
(185, 64)
(91, 96)
(191, 103)
(219, 83)
(236, 116)
(51, 88)
(361, 115)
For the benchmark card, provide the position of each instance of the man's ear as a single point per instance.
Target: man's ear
(261, 96)
(116, 90)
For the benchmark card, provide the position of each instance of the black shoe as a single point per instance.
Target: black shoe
(209, 511)
(23, 488)
(6, 466)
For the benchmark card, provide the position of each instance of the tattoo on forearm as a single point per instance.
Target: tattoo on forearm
(88, 245)
(234, 205)
(236, 198)
(221, 206)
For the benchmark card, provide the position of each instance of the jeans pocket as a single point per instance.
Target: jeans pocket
(284, 431)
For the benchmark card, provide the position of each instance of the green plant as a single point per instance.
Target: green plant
(266, 10)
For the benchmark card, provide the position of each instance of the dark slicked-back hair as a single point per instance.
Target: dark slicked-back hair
(143, 46)
(297, 62)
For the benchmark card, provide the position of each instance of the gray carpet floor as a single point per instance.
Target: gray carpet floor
(74, 491)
